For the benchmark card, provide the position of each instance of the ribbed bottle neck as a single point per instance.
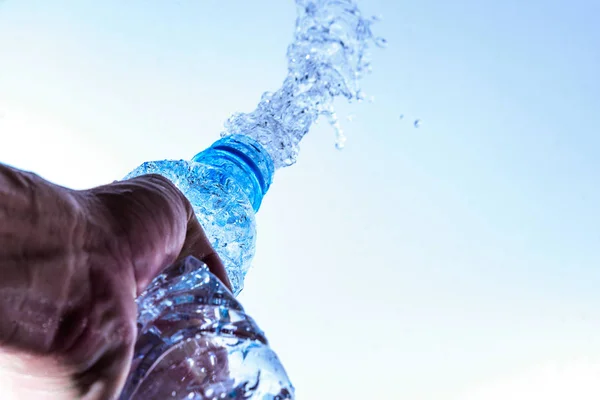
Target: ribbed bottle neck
(245, 161)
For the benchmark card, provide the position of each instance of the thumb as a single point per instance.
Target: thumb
(197, 244)
(159, 225)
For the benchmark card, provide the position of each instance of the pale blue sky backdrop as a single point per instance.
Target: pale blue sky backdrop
(459, 260)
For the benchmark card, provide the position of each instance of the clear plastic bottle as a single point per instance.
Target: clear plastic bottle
(194, 339)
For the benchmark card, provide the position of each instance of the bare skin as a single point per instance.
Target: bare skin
(71, 265)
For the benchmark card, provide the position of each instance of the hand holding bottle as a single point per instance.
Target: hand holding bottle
(71, 266)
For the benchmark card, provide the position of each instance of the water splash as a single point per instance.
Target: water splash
(417, 123)
(327, 59)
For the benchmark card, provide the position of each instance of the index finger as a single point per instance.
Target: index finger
(197, 244)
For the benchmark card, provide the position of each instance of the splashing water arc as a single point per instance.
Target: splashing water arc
(328, 57)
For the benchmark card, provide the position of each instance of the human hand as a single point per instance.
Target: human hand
(71, 265)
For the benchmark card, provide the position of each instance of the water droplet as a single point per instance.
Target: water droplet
(351, 117)
(173, 393)
(381, 42)
(401, 116)
(417, 123)
(308, 56)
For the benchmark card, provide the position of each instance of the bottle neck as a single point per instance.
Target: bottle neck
(244, 160)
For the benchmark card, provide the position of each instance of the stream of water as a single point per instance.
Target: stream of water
(327, 59)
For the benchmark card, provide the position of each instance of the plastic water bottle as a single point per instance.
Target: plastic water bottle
(194, 339)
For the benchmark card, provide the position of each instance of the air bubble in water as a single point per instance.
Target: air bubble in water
(336, 29)
(417, 123)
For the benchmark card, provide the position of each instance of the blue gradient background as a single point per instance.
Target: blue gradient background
(459, 260)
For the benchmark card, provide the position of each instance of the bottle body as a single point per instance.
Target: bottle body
(196, 342)
(225, 184)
